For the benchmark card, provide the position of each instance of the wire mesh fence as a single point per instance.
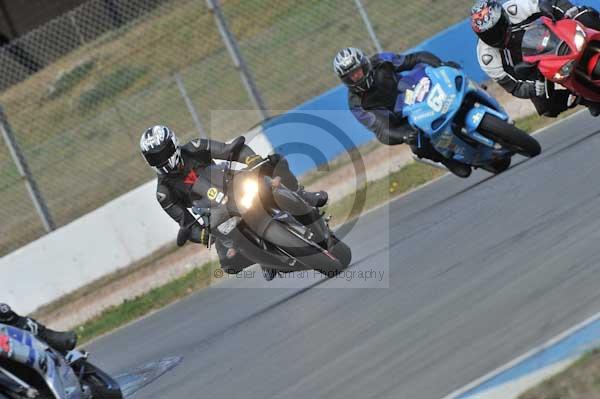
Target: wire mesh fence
(79, 91)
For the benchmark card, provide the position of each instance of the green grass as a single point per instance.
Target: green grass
(377, 192)
(535, 122)
(110, 87)
(66, 81)
(337, 163)
(142, 305)
(579, 381)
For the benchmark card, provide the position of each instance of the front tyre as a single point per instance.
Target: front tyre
(342, 253)
(509, 136)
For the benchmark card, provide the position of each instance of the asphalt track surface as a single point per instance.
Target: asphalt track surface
(480, 271)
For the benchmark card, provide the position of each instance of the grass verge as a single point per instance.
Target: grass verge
(130, 310)
(378, 192)
(579, 381)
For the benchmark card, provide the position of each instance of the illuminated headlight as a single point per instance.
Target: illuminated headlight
(250, 191)
(580, 37)
(565, 71)
(227, 227)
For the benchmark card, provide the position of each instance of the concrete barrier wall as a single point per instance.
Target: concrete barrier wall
(95, 245)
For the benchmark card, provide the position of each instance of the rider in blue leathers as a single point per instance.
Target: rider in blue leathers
(373, 84)
(63, 341)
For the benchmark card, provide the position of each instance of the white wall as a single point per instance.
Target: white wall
(99, 243)
(112, 237)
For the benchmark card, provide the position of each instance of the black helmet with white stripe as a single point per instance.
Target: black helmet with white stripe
(354, 68)
(160, 148)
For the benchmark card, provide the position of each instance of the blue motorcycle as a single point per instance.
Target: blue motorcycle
(29, 368)
(460, 119)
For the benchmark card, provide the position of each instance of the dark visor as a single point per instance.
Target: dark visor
(161, 157)
(347, 78)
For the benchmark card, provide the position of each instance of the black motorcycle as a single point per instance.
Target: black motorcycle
(267, 222)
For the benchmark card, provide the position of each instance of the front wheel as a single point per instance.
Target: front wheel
(101, 384)
(509, 136)
(342, 253)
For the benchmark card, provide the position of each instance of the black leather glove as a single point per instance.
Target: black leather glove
(274, 159)
(185, 234)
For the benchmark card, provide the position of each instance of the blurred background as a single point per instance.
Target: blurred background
(80, 80)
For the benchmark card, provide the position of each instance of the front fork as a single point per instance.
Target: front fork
(473, 120)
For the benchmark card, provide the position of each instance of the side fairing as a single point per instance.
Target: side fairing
(22, 347)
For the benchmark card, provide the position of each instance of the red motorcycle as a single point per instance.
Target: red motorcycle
(565, 52)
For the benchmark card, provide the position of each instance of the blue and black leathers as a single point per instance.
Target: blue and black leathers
(374, 107)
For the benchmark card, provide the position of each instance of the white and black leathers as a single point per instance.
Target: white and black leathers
(499, 63)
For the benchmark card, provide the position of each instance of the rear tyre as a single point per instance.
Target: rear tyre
(509, 136)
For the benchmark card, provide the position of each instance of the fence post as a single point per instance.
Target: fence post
(23, 169)
(190, 105)
(236, 56)
(76, 27)
(367, 21)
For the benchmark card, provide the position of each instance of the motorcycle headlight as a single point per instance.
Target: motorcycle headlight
(580, 37)
(565, 71)
(250, 191)
(227, 226)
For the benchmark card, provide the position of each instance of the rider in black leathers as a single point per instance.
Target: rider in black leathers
(177, 169)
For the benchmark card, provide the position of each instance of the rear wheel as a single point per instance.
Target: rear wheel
(509, 136)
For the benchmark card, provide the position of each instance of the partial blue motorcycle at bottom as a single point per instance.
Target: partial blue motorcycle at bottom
(30, 369)
(460, 119)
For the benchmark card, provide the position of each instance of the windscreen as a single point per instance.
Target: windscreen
(539, 40)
